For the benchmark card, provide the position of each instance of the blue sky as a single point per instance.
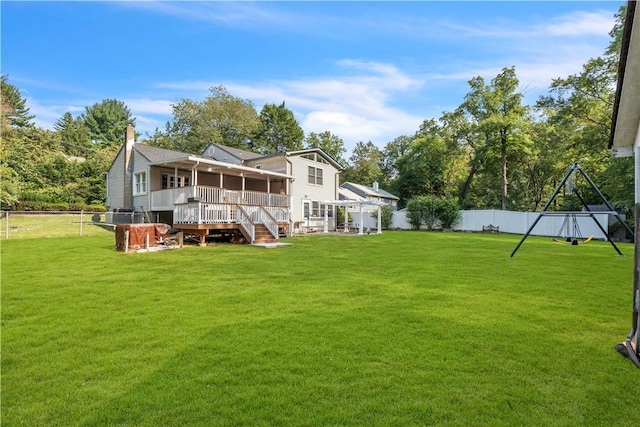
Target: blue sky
(362, 70)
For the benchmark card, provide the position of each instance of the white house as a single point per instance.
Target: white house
(352, 191)
(316, 177)
(224, 190)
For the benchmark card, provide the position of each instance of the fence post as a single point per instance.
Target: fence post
(81, 217)
(6, 224)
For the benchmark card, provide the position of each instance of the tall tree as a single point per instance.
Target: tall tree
(430, 164)
(581, 105)
(73, 133)
(279, 130)
(329, 143)
(107, 121)
(391, 153)
(422, 168)
(13, 109)
(496, 110)
(220, 118)
(364, 164)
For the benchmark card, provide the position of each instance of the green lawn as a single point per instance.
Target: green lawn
(30, 225)
(403, 328)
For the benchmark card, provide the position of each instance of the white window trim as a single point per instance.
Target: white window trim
(315, 176)
(137, 182)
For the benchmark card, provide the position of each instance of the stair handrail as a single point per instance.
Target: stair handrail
(270, 222)
(245, 221)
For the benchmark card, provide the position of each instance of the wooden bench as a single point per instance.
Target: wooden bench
(491, 228)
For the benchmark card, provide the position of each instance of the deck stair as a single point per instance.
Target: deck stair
(263, 236)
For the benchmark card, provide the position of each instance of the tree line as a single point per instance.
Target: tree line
(492, 151)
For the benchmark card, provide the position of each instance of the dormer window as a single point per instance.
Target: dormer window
(315, 157)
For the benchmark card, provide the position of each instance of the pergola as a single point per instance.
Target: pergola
(353, 203)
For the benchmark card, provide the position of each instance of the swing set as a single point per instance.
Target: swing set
(570, 229)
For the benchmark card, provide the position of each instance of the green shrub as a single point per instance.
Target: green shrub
(386, 217)
(449, 214)
(432, 211)
(414, 213)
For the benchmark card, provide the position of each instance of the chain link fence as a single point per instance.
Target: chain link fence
(23, 224)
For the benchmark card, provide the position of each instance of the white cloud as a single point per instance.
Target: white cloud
(357, 107)
(237, 14)
(356, 103)
(575, 24)
(147, 105)
(581, 24)
(48, 115)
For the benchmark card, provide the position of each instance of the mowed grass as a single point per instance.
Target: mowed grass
(45, 225)
(403, 328)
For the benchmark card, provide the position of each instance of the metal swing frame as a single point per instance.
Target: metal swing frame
(575, 167)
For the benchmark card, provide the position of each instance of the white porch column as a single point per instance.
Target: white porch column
(194, 175)
(379, 220)
(326, 218)
(346, 218)
(361, 221)
(221, 179)
(243, 184)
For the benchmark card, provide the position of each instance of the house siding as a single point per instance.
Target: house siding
(303, 191)
(139, 163)
(116, 182)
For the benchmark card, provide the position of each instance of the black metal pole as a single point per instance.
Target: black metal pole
(553, 196)
(606, 202)
(606, 234)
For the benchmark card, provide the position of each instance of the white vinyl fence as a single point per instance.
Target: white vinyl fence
(519, 222)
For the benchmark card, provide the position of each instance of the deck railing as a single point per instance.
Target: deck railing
(244, 219)
(204, 213)
(281, 215)
(258, 215)
(167, 198)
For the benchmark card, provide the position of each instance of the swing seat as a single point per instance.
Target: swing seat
(574, 242)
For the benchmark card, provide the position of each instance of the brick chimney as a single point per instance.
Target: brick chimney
(129, 142)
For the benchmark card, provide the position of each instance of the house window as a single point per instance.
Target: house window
(315, 176)
(315, 157)
(169, 181)
(140, 183)
(318, 210)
